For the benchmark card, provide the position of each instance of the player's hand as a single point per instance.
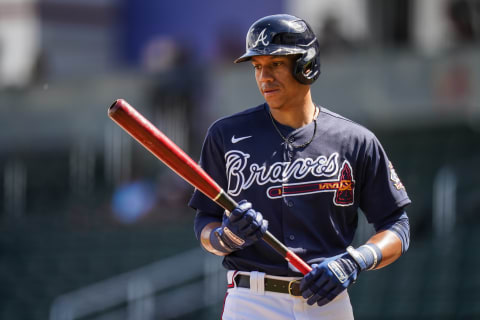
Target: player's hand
(328, 279)
(243, 227)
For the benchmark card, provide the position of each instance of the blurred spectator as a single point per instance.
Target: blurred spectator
(160, 54)
(229, 41)
(453, 87)
(133, 200)
(341, 22)
(462, 15)
(440, 25)
(19, 42)
(331, 38)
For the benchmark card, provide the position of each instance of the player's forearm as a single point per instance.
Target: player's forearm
(389, 244)
(206, 236)
(392, 239)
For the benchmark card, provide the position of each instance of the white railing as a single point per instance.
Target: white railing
(165, 289)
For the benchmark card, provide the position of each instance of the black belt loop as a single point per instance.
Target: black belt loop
(273, 285)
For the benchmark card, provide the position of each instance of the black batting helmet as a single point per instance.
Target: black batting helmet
(284, 34)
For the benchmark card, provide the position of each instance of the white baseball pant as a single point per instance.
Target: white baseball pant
(255, 303)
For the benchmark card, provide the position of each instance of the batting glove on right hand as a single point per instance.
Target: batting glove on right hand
(328, 279)
(243, 227)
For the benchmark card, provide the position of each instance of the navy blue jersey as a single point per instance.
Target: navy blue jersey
(309, 195)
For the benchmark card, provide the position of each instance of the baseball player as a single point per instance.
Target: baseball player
(302, 172)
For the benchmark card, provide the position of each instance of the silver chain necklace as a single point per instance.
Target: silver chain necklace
(290, 143)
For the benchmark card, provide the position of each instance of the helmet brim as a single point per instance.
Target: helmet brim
(269, 51)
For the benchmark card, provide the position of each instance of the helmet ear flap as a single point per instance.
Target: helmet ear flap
(307, 67)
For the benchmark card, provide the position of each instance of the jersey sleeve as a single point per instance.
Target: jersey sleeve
(382, 191)
(212, 161)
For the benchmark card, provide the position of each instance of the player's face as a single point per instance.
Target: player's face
(276, 82)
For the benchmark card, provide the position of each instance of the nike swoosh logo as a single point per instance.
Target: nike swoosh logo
(235, 140)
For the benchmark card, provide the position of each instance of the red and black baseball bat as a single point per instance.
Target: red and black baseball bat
(169, 153)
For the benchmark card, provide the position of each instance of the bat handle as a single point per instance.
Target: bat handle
(289, 255)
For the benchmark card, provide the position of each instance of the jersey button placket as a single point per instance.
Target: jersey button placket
(285, 200)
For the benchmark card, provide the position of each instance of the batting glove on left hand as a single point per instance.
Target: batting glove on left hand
(329, 278)
(243, 227)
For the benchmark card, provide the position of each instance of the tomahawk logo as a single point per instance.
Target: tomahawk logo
(261, 38)
(342, 187)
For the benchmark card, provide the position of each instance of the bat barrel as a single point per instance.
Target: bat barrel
(162, 147)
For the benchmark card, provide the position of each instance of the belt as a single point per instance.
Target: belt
(274, 285)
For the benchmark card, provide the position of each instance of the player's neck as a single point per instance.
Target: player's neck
(296, 114)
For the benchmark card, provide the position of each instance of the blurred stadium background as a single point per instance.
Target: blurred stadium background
(94, 227)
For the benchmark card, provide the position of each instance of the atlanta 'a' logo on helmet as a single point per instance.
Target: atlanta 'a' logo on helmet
(262, 37)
